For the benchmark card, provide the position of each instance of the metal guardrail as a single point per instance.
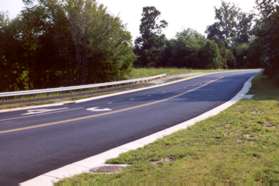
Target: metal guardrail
(82, 87)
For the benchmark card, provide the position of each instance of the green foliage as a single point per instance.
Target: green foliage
(191, 39)
(177, 54)
(60, 43)
(210, 56)
(154, 50)
(228, 58)
(67, 42)
(47, 46)
(149, 45)
(255, 54)
(241, 54)
(103, 46)
(244, 28)
(268, 36)
(224, 29)
(10, 50)
(227, 44)
(233, 32)
(232, 26)
(191, 49)
(184, 51)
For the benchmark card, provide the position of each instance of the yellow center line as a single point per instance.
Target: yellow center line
(103, 114)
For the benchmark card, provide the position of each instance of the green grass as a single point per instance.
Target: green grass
(238, 147)
(145, 72)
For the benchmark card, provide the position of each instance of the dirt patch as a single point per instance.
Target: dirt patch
(163, 161)
(108, 169)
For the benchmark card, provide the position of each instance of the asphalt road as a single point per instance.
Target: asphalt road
(33, 142)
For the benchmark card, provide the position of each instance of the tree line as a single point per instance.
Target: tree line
(62, 42)
(235, 40)
(225, 46)
(56, 43)
(267, 37)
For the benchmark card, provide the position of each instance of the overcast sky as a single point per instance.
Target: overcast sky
(180, 14)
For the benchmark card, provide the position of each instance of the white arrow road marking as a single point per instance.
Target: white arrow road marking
(97, 109)
(41, 111)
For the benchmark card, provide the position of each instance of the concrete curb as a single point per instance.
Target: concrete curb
(86, 165)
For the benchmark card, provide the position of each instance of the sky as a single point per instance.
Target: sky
(180, 14)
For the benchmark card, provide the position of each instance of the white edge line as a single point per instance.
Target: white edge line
(84, 166)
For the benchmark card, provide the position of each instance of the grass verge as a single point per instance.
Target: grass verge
(145, 72)
(238, 147)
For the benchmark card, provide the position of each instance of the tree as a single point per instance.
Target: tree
(149, 45)
(228, 59)
(255, 54)
(233, 32)
(63, 42)
(232, 26)
(192, 50)
(9, 46)
(224, 29)
(244, 28)
(177, 54)
(47, 45)
(191, 38)
(241, 55)
(102, 44)
(267, 8)
(210, 56)
(267, 33)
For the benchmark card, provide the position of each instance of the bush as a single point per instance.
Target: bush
(210, 56)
